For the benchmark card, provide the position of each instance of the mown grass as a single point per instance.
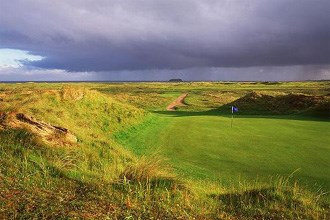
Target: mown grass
(100, 179)
(206, 147)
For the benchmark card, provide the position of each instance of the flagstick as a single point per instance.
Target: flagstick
(232, 116)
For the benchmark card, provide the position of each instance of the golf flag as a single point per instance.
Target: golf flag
(234, 109)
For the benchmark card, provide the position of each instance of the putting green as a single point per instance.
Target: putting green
(202, 146)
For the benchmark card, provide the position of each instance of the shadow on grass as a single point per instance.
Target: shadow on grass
(215, 112)
(265, 203)
(253, 196)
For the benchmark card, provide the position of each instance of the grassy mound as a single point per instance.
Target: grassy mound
(73, 107)
(259, 103)
(90, 116)
(34, 184)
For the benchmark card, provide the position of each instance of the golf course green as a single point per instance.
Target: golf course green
(206, 147)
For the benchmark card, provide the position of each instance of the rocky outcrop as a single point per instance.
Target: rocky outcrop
(49, 134)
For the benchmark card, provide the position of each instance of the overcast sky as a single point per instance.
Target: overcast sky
(163, 39)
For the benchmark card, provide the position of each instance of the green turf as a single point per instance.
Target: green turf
(206, 147)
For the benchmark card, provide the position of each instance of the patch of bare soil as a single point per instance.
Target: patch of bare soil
(49, 134)
(177, 102)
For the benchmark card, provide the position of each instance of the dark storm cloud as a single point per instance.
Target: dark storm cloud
(107, 35)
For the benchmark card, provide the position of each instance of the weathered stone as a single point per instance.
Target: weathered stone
(50, 134)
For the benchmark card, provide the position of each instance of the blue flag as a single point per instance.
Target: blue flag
(234, 109)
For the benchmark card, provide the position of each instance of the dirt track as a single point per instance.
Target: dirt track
(178, 101)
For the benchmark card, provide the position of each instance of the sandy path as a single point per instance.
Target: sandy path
(178, 101)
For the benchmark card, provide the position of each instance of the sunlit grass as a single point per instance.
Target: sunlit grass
(99, 178)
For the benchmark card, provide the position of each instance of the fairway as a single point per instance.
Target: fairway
(205, 147)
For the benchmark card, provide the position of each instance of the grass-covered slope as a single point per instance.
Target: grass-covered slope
(93, 178)
(34, 185)
(89, 115)
(74, 107)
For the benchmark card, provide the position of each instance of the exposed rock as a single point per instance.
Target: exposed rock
(50, 134)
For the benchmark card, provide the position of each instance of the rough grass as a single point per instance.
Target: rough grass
(92, 118)
(204, 96)
(281, 198)
(151, 168)
(281, 104)
(33, 186)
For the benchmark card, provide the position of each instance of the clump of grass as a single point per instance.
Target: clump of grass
(280, 198)
(70, 93)
(152, 168)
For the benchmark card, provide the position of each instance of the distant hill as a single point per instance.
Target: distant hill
(175, 80)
